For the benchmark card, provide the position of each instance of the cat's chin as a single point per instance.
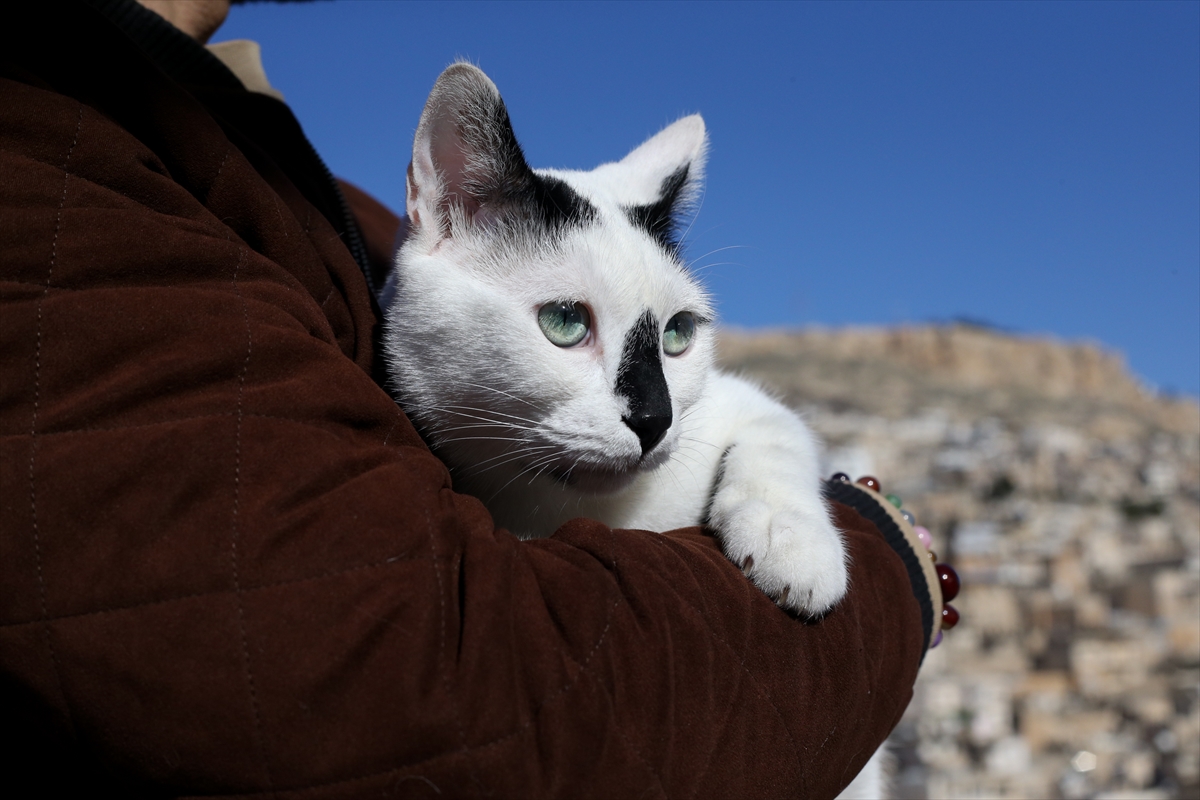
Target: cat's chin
(595, 481)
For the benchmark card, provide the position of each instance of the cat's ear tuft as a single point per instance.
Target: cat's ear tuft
(466, 159)
(661, 179)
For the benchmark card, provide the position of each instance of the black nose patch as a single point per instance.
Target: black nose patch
(641, 382)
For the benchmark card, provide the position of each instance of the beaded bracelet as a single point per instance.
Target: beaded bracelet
(948, 580)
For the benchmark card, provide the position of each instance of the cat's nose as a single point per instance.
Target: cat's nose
(640, 380)
(650, 427)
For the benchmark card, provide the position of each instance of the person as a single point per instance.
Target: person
(230, 565)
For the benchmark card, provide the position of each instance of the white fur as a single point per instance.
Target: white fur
(536, 430)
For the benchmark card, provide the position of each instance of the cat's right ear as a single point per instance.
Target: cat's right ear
(466, 160)
(659, 182)
(673, 157)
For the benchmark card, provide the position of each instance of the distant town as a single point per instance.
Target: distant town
(1068, 498)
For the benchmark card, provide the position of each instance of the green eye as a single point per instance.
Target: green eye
(565, 324)
(679, 332)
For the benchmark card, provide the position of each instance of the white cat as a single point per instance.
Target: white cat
(546, 336)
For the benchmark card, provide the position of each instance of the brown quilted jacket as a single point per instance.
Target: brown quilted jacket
(230, 566)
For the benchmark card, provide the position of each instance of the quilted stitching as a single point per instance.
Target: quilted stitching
(37, 386)
(234, 520)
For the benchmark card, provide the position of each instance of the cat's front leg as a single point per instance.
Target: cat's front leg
(767, 506)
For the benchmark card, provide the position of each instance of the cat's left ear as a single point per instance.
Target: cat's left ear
(658, 182)
(466, 162)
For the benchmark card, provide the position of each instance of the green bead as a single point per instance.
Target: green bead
(891, 498)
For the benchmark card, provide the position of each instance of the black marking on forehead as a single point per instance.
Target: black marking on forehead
(640, 380)
(554, 204)
(659, 218)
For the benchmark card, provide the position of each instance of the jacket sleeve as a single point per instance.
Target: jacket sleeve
(228, 564)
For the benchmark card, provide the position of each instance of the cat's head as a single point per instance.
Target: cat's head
(544, 322)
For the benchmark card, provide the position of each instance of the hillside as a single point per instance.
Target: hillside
(1069, 497)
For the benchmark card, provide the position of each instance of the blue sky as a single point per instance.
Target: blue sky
(1032, 165)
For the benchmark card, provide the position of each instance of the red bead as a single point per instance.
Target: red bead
(869, 482)
(948, 578)
(949, 617)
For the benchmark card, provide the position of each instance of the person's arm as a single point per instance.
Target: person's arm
(228, 565)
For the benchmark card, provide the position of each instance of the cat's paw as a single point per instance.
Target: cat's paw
(785, 543)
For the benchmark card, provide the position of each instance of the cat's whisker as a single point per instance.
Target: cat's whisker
(695, 440)
(698, 265)
(480, 438)
(509, 395)
(689, 447)
(540, 470)
(480, 432)
(668, 470)
(537, 474)
(509, 455)
(690, 457)
(436, 414)
(460, 409)
(447, 426)
(697, 259)
(455, 429)
(475, 473)
(496, 422)
(521, 443)
(490, 411)
(684, 454)
(545, 462)
(496, 493)
(707, 267)
(480, 467)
